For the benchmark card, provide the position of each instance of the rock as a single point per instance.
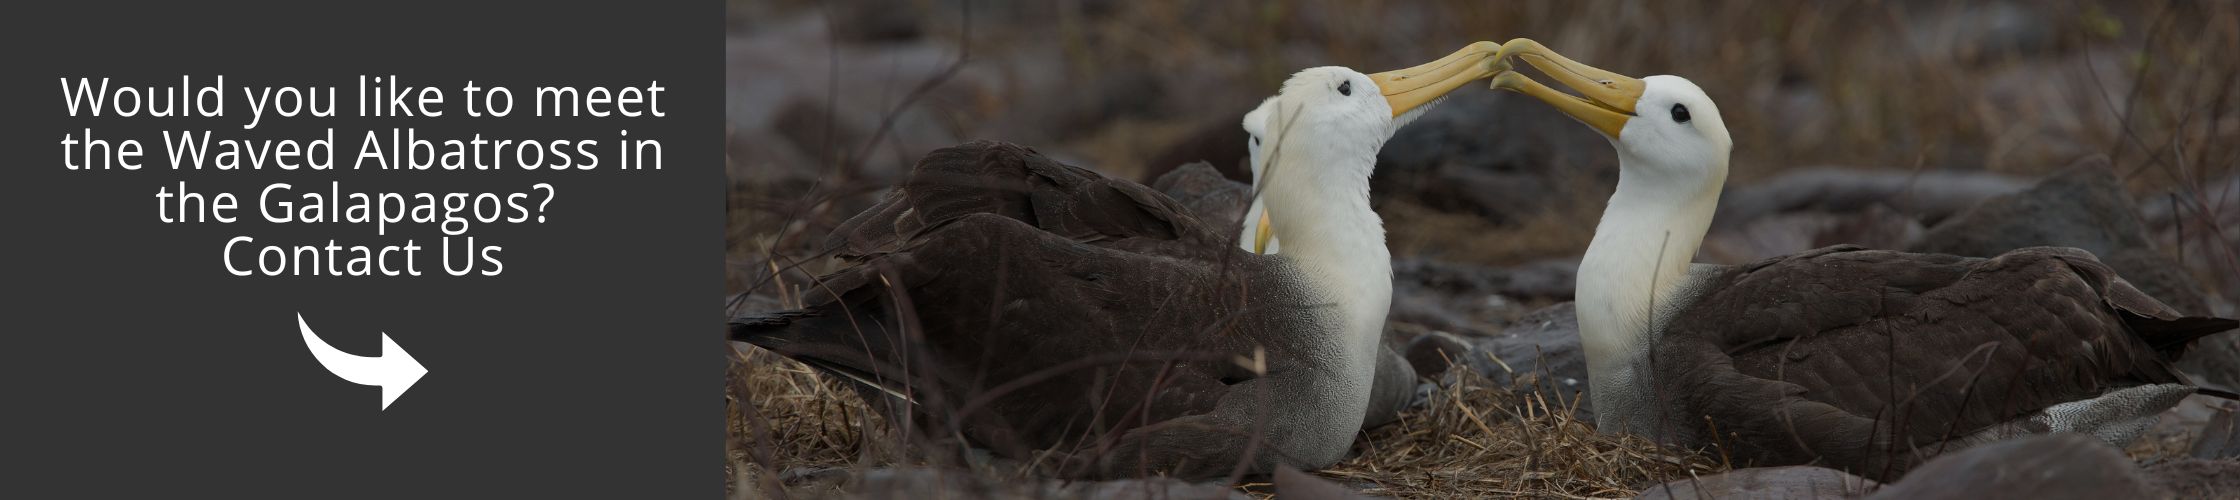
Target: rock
(1927, 196)
(1134, 489)
(1489, 154)
(1765, 483)
(1438, 312)
(1548, 278)
(1394, 388)
(1207, 194)
(1553, 278)
(2190, 429)
(2055, 466)
(1470, 300)
(2085, 206)
(2220, 437)
(2046, 466)
(926, 482)
(2196, 478)
(1433, 352)
(1876, 226)
(2082, 206)
(1538, 353)
(1218, 140)
(1291, 484)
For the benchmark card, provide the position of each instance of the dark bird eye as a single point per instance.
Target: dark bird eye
(1680, 113)
(1255, 140)
(1346, 88)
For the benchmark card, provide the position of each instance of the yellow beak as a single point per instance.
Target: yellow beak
(1261, 234)
(1407, 89)
(1606, 100)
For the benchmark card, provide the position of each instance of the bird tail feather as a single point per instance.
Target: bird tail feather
(2216, 393)
(824, 342)
(2171, 336)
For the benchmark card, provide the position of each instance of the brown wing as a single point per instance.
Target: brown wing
(1025, 303)
(1865, 355)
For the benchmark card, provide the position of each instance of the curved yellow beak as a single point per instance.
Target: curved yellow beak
(1606, 100)
(1407, 89)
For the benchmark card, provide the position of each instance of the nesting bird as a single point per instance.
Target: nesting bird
(1866, 360)
(1024, 305)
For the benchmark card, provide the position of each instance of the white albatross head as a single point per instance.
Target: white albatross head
(1256, 130)
(1664, 128)
(1323, 129)
(1676, 136)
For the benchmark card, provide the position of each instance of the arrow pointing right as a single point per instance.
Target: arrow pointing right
(394, 370)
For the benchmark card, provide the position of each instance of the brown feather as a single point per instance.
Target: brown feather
(1055, 306)
(1873, 360)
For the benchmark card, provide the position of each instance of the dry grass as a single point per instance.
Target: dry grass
(1472, 439)
(1476, 440)
(780, 415)
(812, 421)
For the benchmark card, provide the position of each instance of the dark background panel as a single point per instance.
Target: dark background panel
(590, 367)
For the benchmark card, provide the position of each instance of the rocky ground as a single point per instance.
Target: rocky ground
(1905, 125)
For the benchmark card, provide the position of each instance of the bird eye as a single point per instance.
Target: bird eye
(1346, 88)
(1680, 113)
(1255, 140)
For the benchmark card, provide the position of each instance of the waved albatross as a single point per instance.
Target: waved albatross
(1024, 305)
(1846, 357)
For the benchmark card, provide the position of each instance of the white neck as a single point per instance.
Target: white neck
(1639, 258)
(1317, 198)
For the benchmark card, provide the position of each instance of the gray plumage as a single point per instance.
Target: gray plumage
(1023, 304)
(1872, 361)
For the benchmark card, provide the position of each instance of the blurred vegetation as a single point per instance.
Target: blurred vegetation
(2005, 86)
(2019, 87)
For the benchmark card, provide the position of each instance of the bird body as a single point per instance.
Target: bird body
(1866, 360)
(1111, 304)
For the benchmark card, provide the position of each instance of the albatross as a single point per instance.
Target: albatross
(1859, 359)
(1024, 305)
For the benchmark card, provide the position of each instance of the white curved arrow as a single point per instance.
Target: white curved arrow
(394, 370)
